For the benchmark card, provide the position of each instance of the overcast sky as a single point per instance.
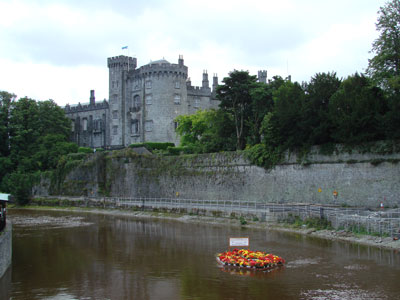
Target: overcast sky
(58, 49)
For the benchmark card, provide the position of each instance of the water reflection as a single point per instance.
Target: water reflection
(111, 257)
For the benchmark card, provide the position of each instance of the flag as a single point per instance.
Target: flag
(125, 47)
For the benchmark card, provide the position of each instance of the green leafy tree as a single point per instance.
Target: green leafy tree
(284, 126)
(357, 111)
(24, 133)
(206, 131)
(236, 100)
(318, 94)
(6, 101)
(384, 67)
(261, 104)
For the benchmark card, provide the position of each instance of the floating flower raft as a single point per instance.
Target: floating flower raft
(248, 259)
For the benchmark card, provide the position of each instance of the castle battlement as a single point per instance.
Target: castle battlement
(122, 61)
(198, 90)
(81, 107)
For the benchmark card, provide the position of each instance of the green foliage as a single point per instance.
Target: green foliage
(384, 67)
(33, 135)
(310, 222)
(242, 221)
(153, 145)
(327, 149)
(236, 100)
(85, 150)
(264, 156)
(316, 114)
(20, 185)
(356, 111)
(180, 150)
(206, 131)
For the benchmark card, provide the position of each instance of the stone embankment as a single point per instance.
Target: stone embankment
(363, 180)
(5, 248)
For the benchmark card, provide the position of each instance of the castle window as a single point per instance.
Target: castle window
(112, 84)
(148, 126)
(176, 125)
(148, 84)
(196, 102)
(135, 127)
(177, 99)
(177, 85)
(97, 125)
(115, 98)
(136, 101)
(115, 114)
(72, 125)
(149, 99)
(115, 130)
(84, 125)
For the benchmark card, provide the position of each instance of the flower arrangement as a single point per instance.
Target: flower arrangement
(249, 259)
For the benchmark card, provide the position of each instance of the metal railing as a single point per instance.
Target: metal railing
(362, 220)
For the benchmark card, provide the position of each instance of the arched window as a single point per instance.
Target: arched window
(136, 101)
(84, 124)
(135, 127)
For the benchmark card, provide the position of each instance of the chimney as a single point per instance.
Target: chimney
(92, 99)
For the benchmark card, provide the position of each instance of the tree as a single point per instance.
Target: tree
(261, 104)
(284, 126)
(206, 131)
(6, 101)
(318, 94)
(236, 100)
(384, 67)
(357, 111)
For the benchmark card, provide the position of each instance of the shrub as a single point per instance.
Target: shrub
(152, 145)
(85, 150)
(180, 150)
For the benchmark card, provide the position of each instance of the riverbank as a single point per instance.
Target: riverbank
(341, 235)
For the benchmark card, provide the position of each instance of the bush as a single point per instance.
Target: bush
(180, 150)
(85, 150)
(264, 156)
(153, 145)
(20, 186)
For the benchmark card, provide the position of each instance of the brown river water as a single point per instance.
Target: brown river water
(65, 255)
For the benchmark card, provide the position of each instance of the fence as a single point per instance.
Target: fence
(375, 222)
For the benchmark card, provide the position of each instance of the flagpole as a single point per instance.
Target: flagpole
(127, 48)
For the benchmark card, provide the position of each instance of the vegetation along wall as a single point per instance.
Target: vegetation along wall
(356, 179)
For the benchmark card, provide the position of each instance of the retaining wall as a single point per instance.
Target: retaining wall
(5, 248)
(358, 179)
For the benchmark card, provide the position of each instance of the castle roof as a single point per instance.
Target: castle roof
(159, 62)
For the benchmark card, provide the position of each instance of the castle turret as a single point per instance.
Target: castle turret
(180, 60)
(262, 76)
(215, 82)
(92, 98)
(205, 79)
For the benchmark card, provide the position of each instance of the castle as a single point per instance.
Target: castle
(143, 104)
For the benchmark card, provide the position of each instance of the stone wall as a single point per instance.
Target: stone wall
(5, 248)
(358, 180)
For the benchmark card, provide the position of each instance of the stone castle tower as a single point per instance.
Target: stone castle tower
(143, 104)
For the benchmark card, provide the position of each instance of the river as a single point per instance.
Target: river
(65, 255)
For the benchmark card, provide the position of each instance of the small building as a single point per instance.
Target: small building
(4, 198)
